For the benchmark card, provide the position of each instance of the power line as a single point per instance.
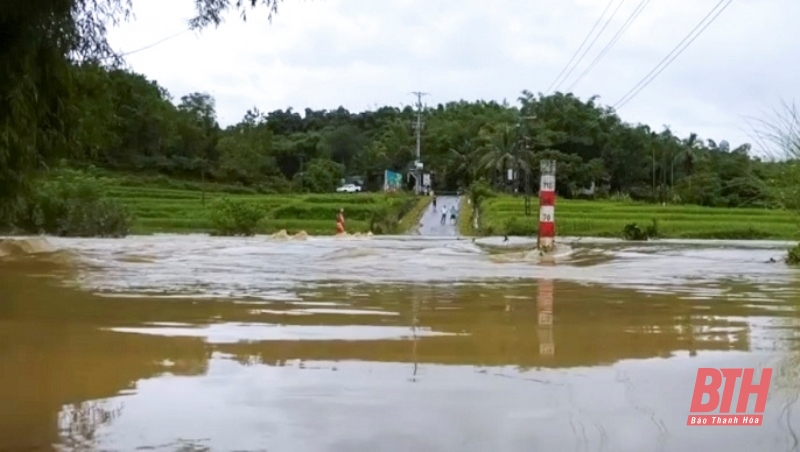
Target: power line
(667, 60)
(157, 42)
(632, 18)
(593, 40)
(581, 46)
(619, 104)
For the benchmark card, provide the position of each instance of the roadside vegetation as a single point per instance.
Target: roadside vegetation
(779, 135)
(466, 217)
(73, 203)
(410, 222)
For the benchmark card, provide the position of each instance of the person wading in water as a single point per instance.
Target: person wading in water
(444, 214)
(340, 222)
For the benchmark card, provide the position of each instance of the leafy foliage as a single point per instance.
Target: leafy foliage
(233, 217)
(388, 220)
(73, 203)
(478, 191)
(633, 232)
(321, 176)
(793, 255)
(47, 110)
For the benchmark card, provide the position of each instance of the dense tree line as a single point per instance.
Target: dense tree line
(126, 122)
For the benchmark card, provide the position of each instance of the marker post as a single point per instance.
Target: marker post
(547, 206)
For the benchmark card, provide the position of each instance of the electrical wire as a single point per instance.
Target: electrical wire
(667, 60)
(149, 46)
(581, 46)
(593, 40)
(632, 18)
(619, 103)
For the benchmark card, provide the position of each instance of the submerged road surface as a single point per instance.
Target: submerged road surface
(431, 221)
(407, 343)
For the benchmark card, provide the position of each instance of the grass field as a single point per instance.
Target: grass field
(186, 210)
(465, 222)
(165, 205)
(506, 215)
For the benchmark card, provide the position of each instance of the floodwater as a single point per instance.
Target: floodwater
(178, 343)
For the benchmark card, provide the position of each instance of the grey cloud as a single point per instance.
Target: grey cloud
(363, 52)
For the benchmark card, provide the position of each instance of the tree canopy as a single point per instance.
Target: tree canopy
(124, 121)
(40, 42)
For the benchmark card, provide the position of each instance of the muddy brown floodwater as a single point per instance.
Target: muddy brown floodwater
(172, 343)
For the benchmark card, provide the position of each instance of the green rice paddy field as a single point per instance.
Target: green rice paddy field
(157, 209)
(506, 215)
(179, 207)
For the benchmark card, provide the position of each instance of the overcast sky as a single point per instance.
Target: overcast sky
(367, 53)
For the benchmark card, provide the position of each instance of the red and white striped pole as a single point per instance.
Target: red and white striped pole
(547, 205)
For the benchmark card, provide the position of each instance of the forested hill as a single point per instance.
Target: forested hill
(128, 123)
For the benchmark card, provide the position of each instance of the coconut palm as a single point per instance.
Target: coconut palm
(463, 162)
(690, 153)
(504, 149)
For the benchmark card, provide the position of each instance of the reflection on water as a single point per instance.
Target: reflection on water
(544, 306)
(546, 362)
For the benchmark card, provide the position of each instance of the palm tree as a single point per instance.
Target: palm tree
(504, 149)
(666, 142)
(722, 146)
(463, 162)
(689, 154)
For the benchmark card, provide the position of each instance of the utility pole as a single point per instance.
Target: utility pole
(524, 142)
(418, 162)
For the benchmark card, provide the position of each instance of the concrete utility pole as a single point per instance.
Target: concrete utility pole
(418, 168)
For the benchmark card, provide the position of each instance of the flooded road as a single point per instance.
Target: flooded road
(174, 343)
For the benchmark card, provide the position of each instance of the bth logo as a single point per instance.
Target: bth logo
(708, 383)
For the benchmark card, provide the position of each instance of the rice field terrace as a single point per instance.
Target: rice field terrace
(582, 218)
(175, 210)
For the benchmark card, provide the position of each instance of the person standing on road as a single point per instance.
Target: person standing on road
(434, 202)
(444, 214)
(453, 213)
(340, 222)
